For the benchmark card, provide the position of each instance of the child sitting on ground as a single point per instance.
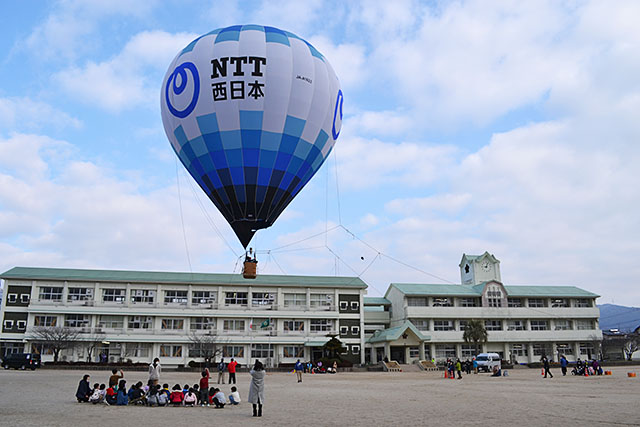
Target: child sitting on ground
(234, 397)
(190, 398)
(219, 399)
(177, 396)
(95, 393)
(111, 395)
(163, 398)
(212, 391)
(152, 397)
(196, 390)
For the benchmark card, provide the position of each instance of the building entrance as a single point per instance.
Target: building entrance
(398, 354)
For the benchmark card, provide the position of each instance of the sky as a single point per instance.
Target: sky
(469, 126)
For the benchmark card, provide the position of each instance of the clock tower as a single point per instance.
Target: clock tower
(475, 269)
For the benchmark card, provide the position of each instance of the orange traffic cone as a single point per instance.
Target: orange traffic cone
(445, 374)
(542, 372)
(586, 372)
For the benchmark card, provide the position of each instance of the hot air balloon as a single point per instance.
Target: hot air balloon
(252, 112)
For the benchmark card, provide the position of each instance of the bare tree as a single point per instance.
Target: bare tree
(57, 338)
(205, 344)
(630, 347)
(94, 341)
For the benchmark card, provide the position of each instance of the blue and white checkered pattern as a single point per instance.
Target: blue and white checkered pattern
(252, 155)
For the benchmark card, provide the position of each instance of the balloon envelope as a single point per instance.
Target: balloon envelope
(252, 112)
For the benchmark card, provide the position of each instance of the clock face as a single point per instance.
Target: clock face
(486, 266)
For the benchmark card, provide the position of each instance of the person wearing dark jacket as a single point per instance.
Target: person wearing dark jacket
(84, 389)
(545, 363)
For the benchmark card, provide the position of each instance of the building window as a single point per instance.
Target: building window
(468, 302)
(584, 324)
(321, 325)
(167, 350)
(355, 349)
(537, 302)
(344, 330)
(427, 351)
(493, 325)
(80, 294)
(542, 350)
(417, 301)
(202, 323)
(175, 297)
(443, 325)
(442, 302)
(50, 293)
(421, 324)
(45, 321)
(462, 324)
(295, 300)
(355, 330)
(143, 296)
(468, 351)
(515, 325)
(114, 295)
(140, 322)
(261, 299)
(586, 348)
(344, 305)
(539, 325)
(560, 303)
(321, 301)
(235, 298)
(233, 325)
(76, 321)
(583, 303)
(12, 298)
(262, 351)
(139, 350)
(203, 297)
(233, 351)
(355, 305)
(111, 322)
(41, 349)
(8, 324)
(564, 348)
(174, 324)
(445, 351)
(519, 350)
(293, 326)
(295, 351)
(562, 325)
(25, 298)
(22, 324)
(514, 302)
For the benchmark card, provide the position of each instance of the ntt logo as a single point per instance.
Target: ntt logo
(178, 81)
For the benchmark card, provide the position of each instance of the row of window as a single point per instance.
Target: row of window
(509, 325)
(14, 298)
(467, 351)
(195, 323)
(494, 299)
(181, 297)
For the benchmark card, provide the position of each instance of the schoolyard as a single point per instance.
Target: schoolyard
(46, 398)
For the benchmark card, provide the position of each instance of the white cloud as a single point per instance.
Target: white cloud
(130, 79)
(68, 31)
(22, 113)
(347, 59)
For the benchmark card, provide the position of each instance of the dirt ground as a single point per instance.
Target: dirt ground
(46, 398)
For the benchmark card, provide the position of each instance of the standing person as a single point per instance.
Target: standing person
(84, 389)
(545, 363)
(154, 372)
(299, 367)
(114, 378)
(475, 366)
(256, 389)
(221, 367)
(563, 365)
(231, 367)
(459, 368)
(204, 387)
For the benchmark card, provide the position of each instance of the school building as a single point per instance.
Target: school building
(140, 315)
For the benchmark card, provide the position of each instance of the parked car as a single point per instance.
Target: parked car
(486, 361)
(21, 361)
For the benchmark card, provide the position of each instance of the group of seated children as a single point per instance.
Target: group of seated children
(161, 396)
(154, 395)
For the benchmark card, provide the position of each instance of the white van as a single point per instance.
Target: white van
(486, 361)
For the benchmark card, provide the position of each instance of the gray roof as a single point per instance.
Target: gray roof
(73, 274)
(393, 334)
(422, 289)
